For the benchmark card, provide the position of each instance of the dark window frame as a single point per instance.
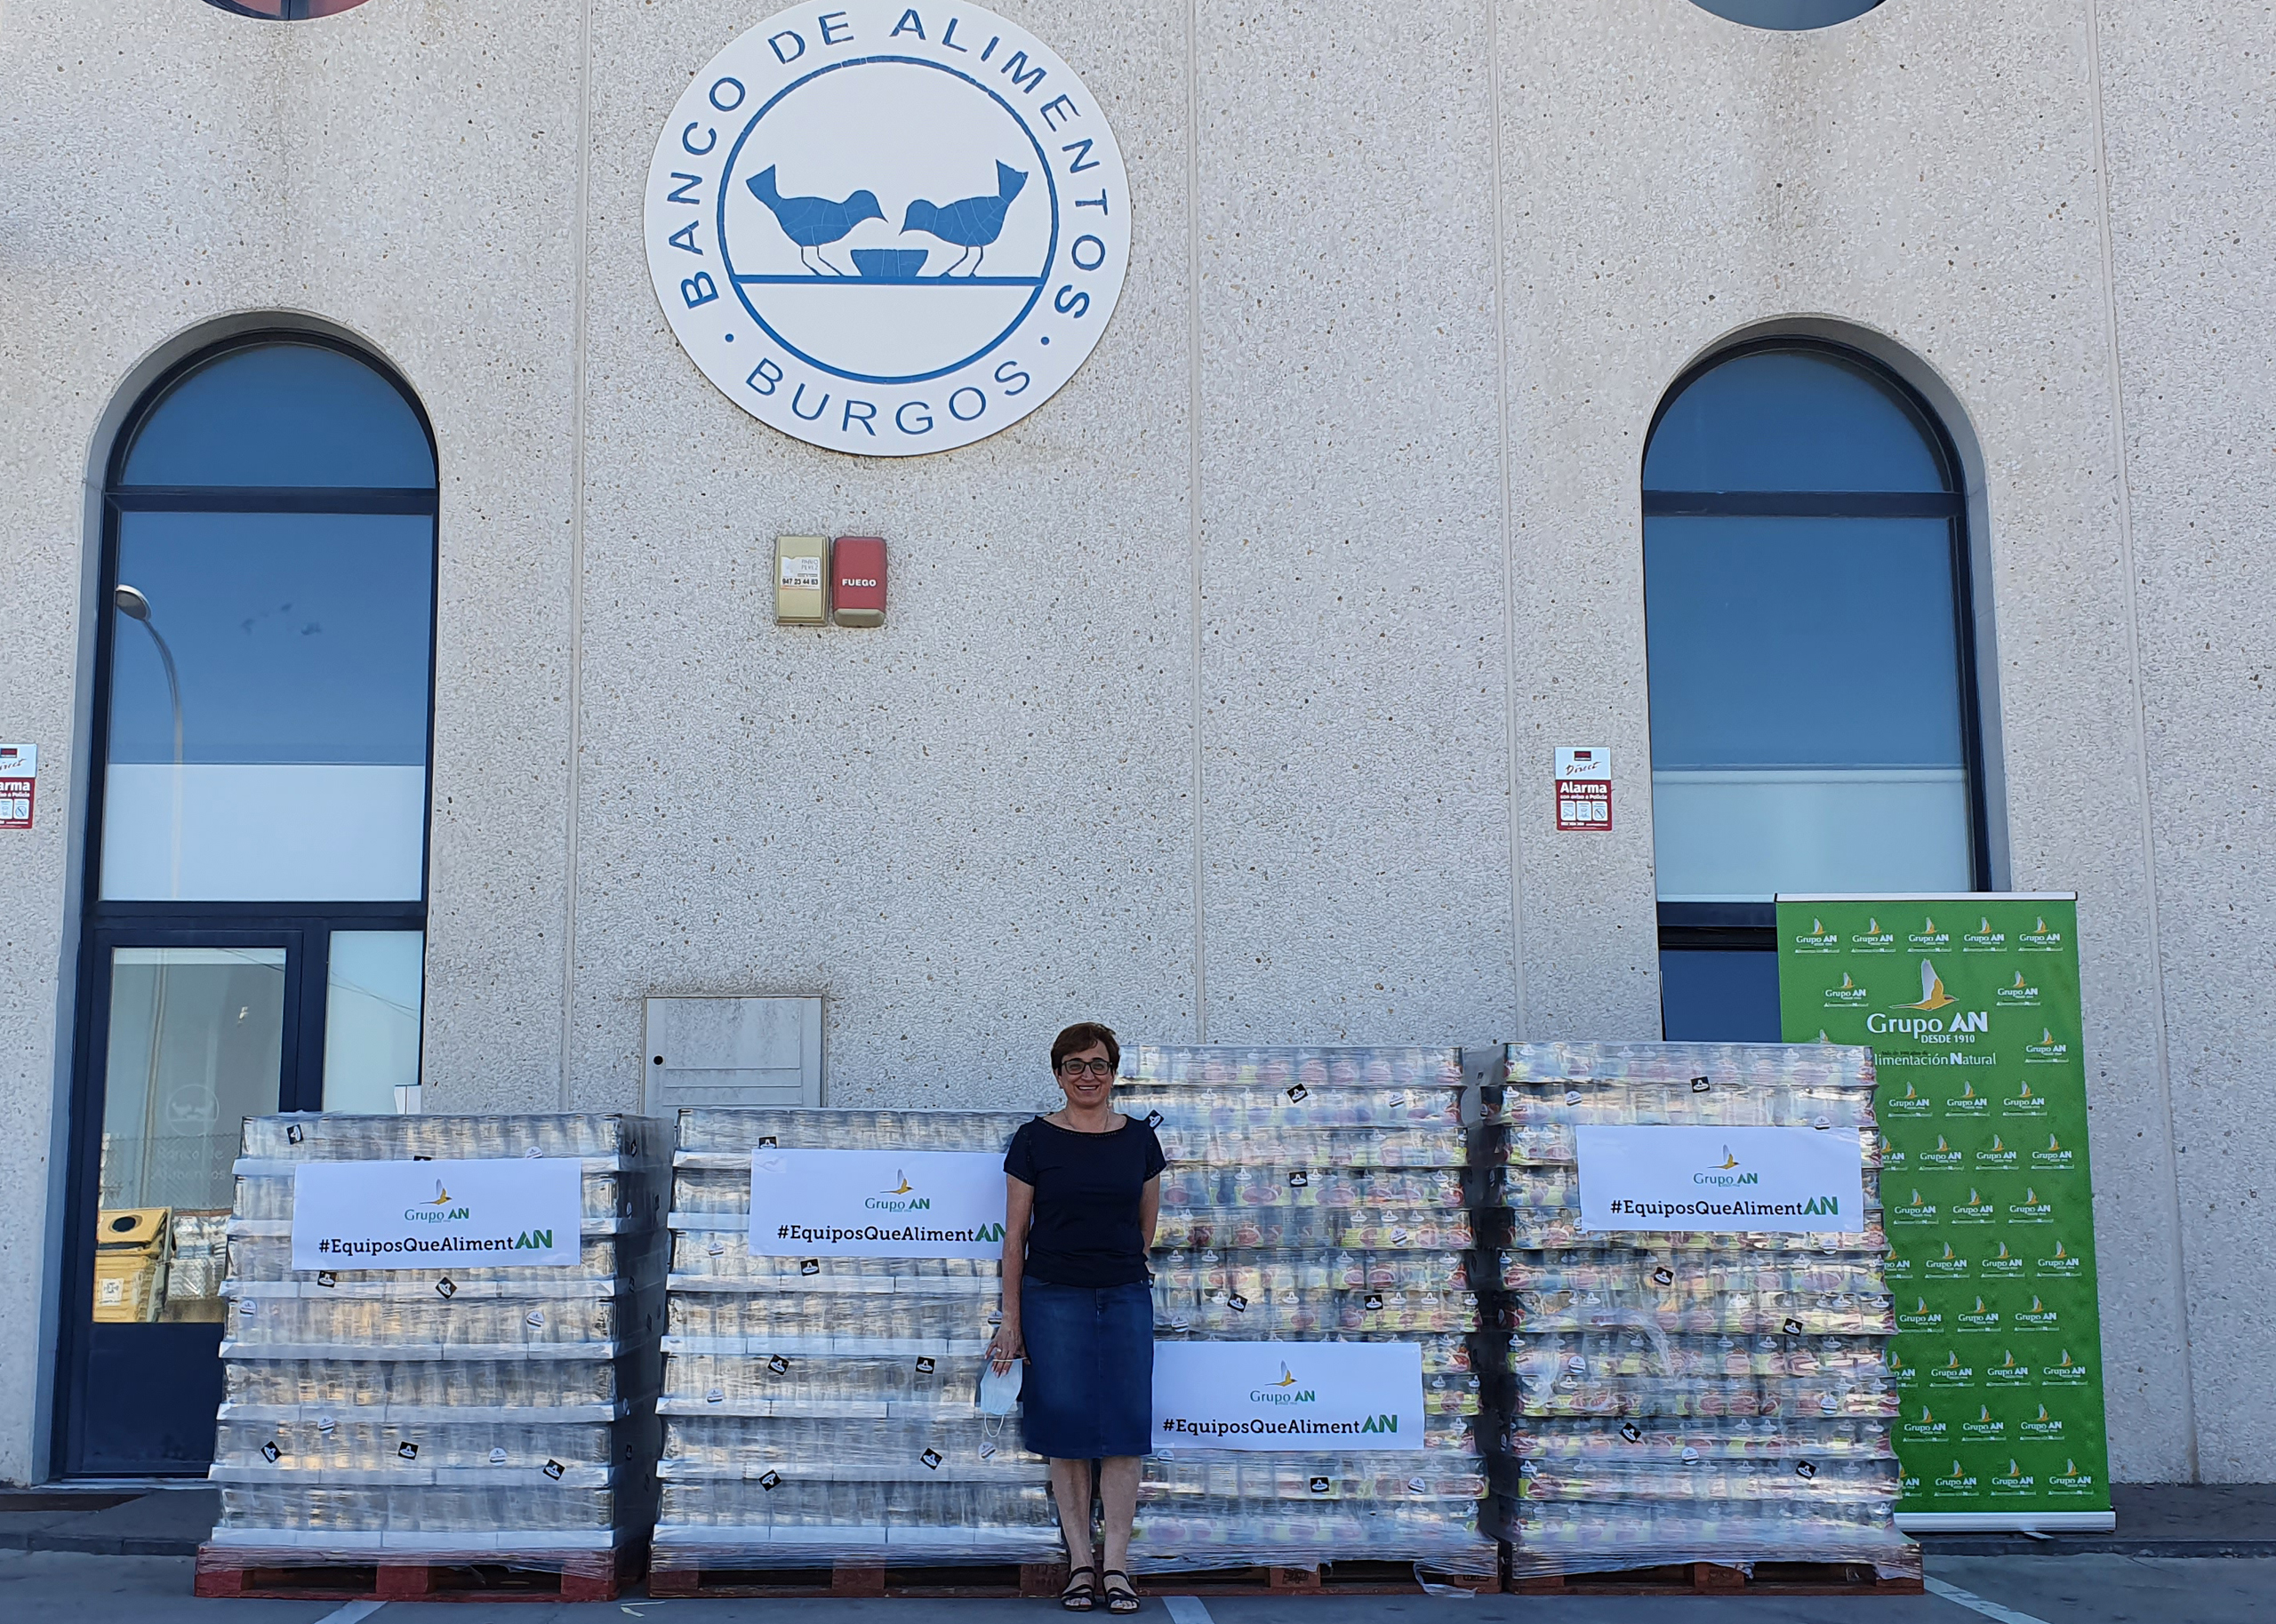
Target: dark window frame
(305, 929)
(1754, 925)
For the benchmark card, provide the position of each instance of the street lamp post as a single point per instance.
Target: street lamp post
(134, 606)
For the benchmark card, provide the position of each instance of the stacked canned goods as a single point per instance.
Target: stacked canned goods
(443, 1410)
(1686, 1396)
(824, 1408)
(1312, 1195)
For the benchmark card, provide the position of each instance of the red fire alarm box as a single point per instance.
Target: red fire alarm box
(858, 565)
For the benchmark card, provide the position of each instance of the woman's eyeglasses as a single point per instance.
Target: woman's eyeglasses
(1076, 1068)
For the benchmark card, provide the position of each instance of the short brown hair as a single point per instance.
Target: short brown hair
(1086, 1034)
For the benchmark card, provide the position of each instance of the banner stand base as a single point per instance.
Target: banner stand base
(2007, 1522)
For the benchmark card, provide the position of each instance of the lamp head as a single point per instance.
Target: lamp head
(130, 602)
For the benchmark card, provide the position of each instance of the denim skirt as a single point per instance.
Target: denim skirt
(1088, 1392)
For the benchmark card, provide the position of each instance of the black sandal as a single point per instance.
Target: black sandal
(1122, 1597)
(1078, 1596)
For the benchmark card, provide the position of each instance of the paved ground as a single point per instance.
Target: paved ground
(72, 1588)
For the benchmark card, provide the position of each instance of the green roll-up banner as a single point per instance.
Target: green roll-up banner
(1970, 1005)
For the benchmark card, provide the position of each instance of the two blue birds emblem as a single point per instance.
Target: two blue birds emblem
(972, 223)
(814, 223)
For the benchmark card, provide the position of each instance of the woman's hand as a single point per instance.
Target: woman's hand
(1006, 1346)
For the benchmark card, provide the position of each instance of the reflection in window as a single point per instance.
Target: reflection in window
(271, 641)
(370, 1027)
(195, 1047)
(1803, 610)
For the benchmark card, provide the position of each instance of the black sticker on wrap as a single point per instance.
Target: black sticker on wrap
(1372, 1301)
(1663, 1275)
(1154, 1119)
(1806, 1468)
(778, 1364)
(327, 1279)
(293, 1133)
(1794, 1327)
(553, 1469)
(1698, 1086)
(1237, 1303)
(1299, 1179)
(1318, 1485)
(446, 1288)
(811, 1266)
(925, 1367)
(1632, 1432)
(408, 1450)
(932, 1459)
(766, 1142)
(771, 1480)
(270, 1451)
(1299, 1094)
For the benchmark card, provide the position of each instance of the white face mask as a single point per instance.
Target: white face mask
(999, 1395)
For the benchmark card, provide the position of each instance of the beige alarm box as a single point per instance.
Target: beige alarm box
(800, 595)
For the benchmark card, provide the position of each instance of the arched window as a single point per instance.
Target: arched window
(1811, 642)
(1790, 15)
(257, 874)
(285, 10)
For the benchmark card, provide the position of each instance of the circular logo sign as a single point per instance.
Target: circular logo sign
(888, 228)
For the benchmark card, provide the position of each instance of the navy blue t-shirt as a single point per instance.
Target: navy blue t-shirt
(1088, 1187)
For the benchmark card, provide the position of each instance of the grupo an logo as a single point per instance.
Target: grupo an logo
(1928, 937)
(2048, 1050)
(1726, 1172)
(1284, 1390)
(902, 1197)
(1817, 939)
(1928, 1023)
(444, 1209)
(1873, 939)
(2041, 939)
(1846, 996)
(888, 228)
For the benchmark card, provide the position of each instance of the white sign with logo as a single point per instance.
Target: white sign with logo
(520, 1212)
(1302, 1397)
(887, 227)
(1807, 1179)
(876, 1204)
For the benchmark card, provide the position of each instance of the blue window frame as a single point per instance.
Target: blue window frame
(1811, 645)
(256, 883)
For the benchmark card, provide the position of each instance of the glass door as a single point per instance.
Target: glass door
(187, 1034)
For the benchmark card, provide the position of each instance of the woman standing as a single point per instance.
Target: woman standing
(1084, 1188)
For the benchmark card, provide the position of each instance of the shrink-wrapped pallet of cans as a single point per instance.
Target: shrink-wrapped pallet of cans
(1316, 1196)
(821, 1410)
(422, 1398)
(1686, 1395)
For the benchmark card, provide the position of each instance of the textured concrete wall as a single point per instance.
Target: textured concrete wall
(2193, 226)
(1219, 695)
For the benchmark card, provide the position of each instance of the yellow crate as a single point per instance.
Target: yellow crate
(128, 1286)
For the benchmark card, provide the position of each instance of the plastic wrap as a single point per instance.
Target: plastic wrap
(1317, 1195)
(1684, 1396)
(450, 1413)
(820, 1408)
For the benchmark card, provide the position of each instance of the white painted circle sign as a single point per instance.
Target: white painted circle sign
(887, 228)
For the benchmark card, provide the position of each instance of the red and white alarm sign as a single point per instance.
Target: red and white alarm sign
(1583, 787)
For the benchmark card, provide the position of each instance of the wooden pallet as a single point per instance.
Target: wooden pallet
(687, 1574)
(1716, 1578)
(582, 1576)
(1328, 1579)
